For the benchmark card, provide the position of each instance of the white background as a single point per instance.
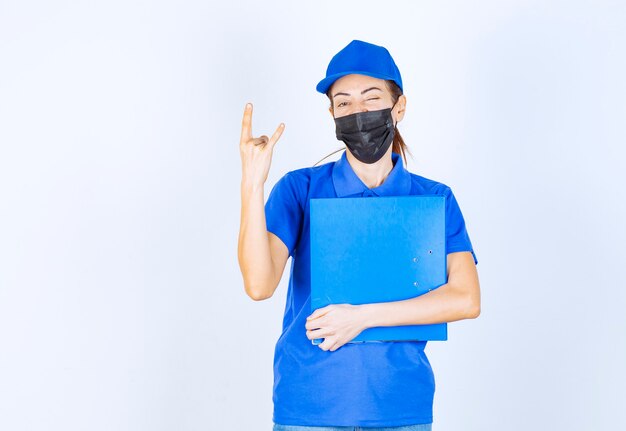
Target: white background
(121, 302)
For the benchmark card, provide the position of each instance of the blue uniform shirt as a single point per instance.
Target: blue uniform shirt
(375, 384)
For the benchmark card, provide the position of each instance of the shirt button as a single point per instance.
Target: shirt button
(368, 193)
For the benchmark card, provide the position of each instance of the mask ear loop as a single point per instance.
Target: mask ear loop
(394, 105)
(334, 152)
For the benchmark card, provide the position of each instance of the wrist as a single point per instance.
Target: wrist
(368, 315)
(251, 185)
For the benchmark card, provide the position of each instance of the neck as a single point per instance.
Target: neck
(374, 174)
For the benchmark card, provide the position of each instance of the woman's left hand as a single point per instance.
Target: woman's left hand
(336, 323)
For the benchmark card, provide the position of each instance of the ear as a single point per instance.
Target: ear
(330, 109)
(400, 108)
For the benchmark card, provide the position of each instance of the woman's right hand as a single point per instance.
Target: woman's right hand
(262, 255)
(256, 153)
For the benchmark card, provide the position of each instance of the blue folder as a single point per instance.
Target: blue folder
(378, 249)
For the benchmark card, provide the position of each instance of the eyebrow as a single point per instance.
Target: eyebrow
(362, 92)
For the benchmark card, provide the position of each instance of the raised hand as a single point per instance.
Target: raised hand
(256, 153)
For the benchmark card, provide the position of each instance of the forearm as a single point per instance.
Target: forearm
(447, 303)
(255, 259)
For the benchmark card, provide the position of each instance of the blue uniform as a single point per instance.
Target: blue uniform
(377, 384)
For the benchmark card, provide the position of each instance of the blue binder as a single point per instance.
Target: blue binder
(378, 249)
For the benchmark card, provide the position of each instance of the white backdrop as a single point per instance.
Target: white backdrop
(121, 302)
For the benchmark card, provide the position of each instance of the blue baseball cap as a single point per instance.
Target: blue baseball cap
(361, 58)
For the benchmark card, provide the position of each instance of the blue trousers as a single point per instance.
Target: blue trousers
(418, 427)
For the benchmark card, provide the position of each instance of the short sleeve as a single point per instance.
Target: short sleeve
(284, 213)
(457, 238)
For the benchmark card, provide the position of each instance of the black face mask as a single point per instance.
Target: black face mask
(367, 135)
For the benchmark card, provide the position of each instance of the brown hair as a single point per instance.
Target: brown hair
(398, 145)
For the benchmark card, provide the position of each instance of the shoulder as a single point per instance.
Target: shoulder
(300, 179)
(427, 186)
(298, 182)
(312, 173)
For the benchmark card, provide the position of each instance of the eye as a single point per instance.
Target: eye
(373, 98)
(341, 104)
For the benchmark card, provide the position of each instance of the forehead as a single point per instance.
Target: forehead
(355, 83)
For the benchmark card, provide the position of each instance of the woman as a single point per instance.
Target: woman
(340, 385)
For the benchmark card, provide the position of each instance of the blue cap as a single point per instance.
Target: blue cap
(361, 58)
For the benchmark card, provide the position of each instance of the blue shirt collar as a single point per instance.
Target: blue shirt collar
(347, 183)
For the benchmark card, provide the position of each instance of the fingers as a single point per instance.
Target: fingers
(246, 130)
(311, 334)
(277, 134)
(246, 123)
(329, 344)
(261, 140)
(319, 312)
(312, 325)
